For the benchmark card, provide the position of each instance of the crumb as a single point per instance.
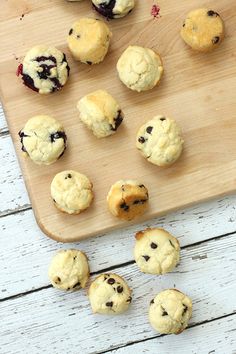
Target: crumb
(155, 11)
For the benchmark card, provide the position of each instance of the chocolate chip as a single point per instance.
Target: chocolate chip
(106, 8)
(89, 62)
(141, 186)
(118, 120)
(78, 36)
(57, 280)
(70, 31)
(140, 201)
(45, 58)
(146, 258)
(109, 304)
(58, 135)
(124, 206)
(54, 200)
(212, 13)
(184, 24)
(120, 289)
(22, 135)
(129, 299)
(154, 245)
(29, 82)
(152, 302)
(164, 313)
(69, 175)
(141, 139)
(149, 130)
(162, 119)
(111, 281)
(215, 40)
(77, 284)
(185, 309)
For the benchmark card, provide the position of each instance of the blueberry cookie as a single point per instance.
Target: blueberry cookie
(203, 30)
(140, 69)
(89, 40)
(44, 69)
(109, 294)
(71, 192)
(170, 311)
(113, 8)
(156, 251)
(69, 270)
(160, 141)
(127, 199)
(43, 139)
(100, 112)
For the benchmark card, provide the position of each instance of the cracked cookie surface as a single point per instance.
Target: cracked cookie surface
(43, 139)
(69, 270)
(140, 69)
(156, 251)
(100, 112)
(71, 191)
(160, 141)
(44, 69)
(170, 311)
(127, 199)
(203, 30)
(113, 8)
(89, 40)
(109, 294)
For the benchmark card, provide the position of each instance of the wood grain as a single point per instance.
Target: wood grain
(198, 90)
(65, 319)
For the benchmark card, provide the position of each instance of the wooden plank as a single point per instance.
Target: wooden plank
(208, 165)
(63, 321)
(216, 337)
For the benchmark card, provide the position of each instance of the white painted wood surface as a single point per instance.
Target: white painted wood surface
(36, 318)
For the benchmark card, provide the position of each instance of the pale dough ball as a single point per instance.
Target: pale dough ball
(156, 251)
(69, 270)
(109, 294)
(43, 139)
(160, 141)
(203, 30)
(100, 112)
(127, 199)
(89, 40)
(140, 69)
(44, 69)
(71, 191)
(170, 311)
(113, 8)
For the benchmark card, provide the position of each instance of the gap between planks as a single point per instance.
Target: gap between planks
(130, 344)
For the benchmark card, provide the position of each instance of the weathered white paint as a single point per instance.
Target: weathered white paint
(217, 337)
(53, 319)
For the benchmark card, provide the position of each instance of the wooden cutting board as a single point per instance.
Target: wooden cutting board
(198, 90)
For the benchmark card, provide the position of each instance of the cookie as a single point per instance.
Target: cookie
(109, 294)
(100, 112)
(127, 199)
(203, 30)
(170, 311)
(69, 270)
(71, 192)
(89, 40)
(140, 69)
(44, 69)
(43, 139)
(113, 8)
(160, 141)
(156, 251)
